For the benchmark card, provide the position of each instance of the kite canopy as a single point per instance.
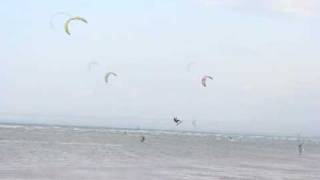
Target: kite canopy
(92, 64)
(189, 65)
(76, 18)
(106, 78)
(204, 80)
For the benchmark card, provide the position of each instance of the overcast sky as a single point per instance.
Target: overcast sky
(263, 55)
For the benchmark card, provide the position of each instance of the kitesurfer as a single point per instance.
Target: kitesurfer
(177, 121)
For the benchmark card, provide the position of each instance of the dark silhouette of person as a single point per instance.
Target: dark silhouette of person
(177, 121)
(300, 148)
(142, 139)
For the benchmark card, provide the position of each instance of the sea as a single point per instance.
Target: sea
(47, 152)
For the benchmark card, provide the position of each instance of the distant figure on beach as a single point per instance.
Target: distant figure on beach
(300, 148)
(142, 139)
(177, 121)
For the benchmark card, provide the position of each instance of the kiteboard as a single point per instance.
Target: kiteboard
(179, 122)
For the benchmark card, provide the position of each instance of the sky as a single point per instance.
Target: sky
(263, 56)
